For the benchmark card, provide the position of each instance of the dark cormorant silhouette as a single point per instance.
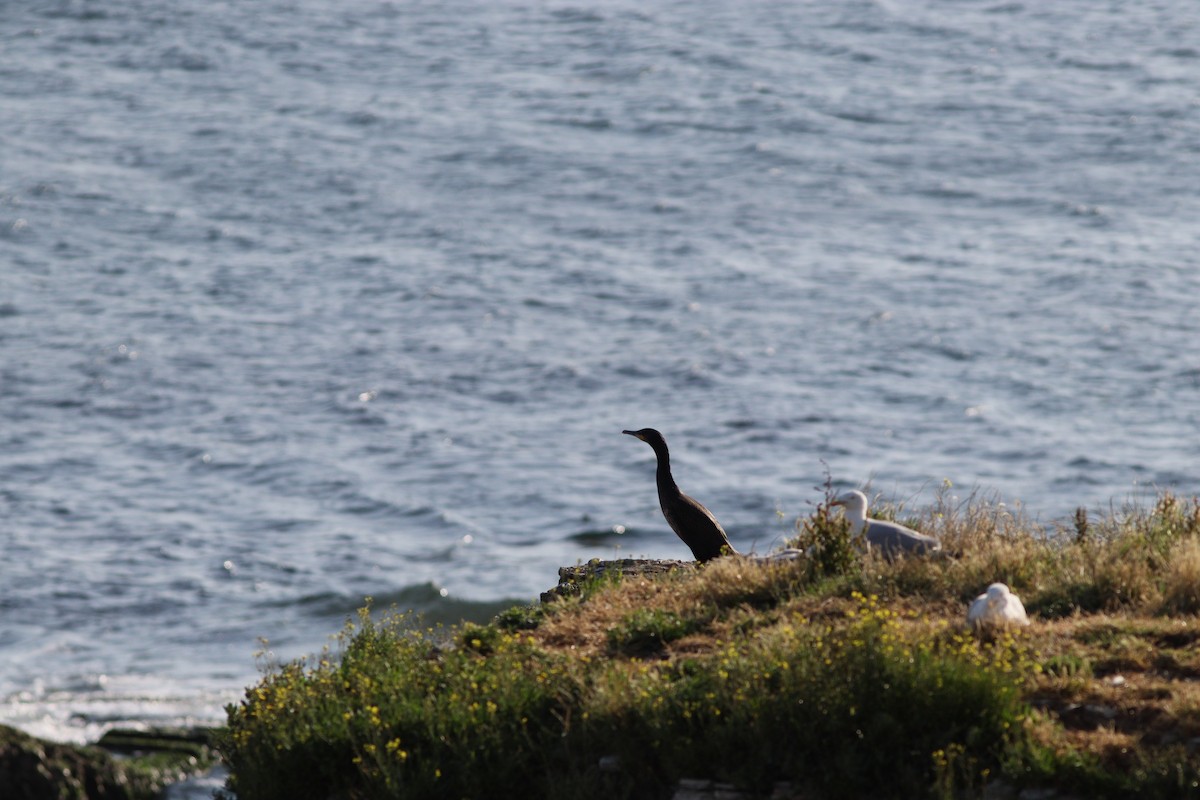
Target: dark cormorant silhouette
(691, 521)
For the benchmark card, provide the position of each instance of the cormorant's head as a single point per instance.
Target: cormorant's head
(649, 436)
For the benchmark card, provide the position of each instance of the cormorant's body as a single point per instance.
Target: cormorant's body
(691, 521)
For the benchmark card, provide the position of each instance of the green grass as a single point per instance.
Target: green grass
(646, 631)
(844, 675)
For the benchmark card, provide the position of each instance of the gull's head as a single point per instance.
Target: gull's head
(855, 503)
(997, 594)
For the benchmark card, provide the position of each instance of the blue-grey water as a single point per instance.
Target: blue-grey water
(304, 300)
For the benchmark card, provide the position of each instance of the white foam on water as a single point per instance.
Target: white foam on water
(80, 712)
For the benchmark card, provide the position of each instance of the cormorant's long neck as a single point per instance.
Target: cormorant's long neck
(666, 483)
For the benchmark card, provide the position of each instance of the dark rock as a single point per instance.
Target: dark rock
(699, 789)
(694, 789)
(571, 580)
(1087, 717)
(1037, 794)
(34, 769)
(999, 790)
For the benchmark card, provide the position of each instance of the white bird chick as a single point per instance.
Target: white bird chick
(996, 608)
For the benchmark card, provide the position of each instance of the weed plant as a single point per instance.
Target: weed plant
(495, 714)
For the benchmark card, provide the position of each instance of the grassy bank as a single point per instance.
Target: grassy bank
(842, 675)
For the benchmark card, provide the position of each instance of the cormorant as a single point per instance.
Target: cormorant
(890, 537)
(691, 521)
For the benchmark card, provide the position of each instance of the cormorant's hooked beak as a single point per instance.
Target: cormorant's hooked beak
(634, 434)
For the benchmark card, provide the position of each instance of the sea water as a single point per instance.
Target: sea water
(305, 301)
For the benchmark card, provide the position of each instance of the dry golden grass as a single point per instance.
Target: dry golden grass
(1113, 602)
(1181, 589)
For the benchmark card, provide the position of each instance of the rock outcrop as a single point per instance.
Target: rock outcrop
(571, 580)
(35, 769)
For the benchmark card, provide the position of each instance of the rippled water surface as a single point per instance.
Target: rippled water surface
(306, 301)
